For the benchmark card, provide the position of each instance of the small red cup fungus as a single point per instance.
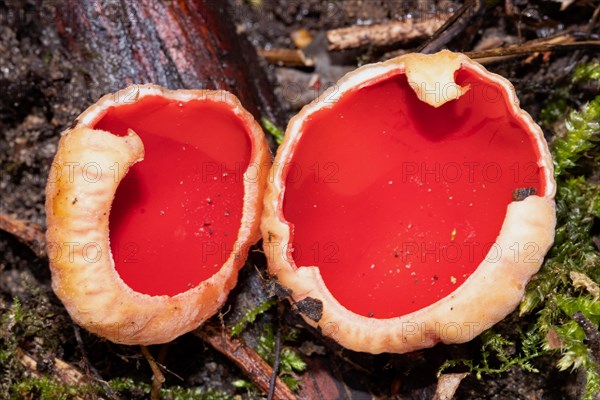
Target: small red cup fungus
(143, 253)
(409, 204)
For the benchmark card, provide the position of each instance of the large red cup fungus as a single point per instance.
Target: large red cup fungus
(409, 204)
(143, 253)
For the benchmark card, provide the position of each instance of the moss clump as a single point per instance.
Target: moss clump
(582, 130)
(30, 322)
(47, 388)
(290, 361)
(498, 355)
(587, 72)
(130, 388)
(251, 315)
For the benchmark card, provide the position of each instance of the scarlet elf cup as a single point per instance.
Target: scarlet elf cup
(410, 204)
(153, 200)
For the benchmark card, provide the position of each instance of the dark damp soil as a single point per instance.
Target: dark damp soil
(43, 89)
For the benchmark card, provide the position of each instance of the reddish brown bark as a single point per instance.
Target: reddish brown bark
(173, 43)
(247, 359)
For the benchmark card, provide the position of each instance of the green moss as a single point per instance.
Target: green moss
(583, 128)
(130, 388)
(552, 294)
(561, 101)
(251, 315)
(498, 355)
(587, 72)
(554, 110)
(45, 388)
(10, 367)
(29, 319)
(250, 388)
(290, 361)
(277, 133)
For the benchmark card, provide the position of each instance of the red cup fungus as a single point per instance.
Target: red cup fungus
(152, 202)
(409, 204)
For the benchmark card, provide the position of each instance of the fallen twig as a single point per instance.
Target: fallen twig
(452, 27)
(107, 389)
(157, 376)
(287, 57)
(591, 333)
(29, 234)
(486, 56)
(594, 20)
(447, 385)
(277, 351)
(384, 34)
(247, 359)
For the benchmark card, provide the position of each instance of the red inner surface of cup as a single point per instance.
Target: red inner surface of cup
(398, 202)
(176, 214)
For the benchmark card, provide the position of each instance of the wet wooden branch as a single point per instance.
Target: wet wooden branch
(386, 34)
(253, 366)
(31, 235)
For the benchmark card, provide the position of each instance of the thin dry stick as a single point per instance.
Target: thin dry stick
(275, 364)
(160, 360)
(94, 371)
(157, 376)
(385, 34)
(451, 28)
(593, 20)
(534, 48)
(565, 37)
(29, 234)
(247, 359)
(591, 333)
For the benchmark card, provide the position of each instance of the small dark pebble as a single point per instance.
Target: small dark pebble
(312, 308)
(520, 194)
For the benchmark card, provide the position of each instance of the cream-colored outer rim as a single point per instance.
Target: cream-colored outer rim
(487, 296)
(87, 169)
